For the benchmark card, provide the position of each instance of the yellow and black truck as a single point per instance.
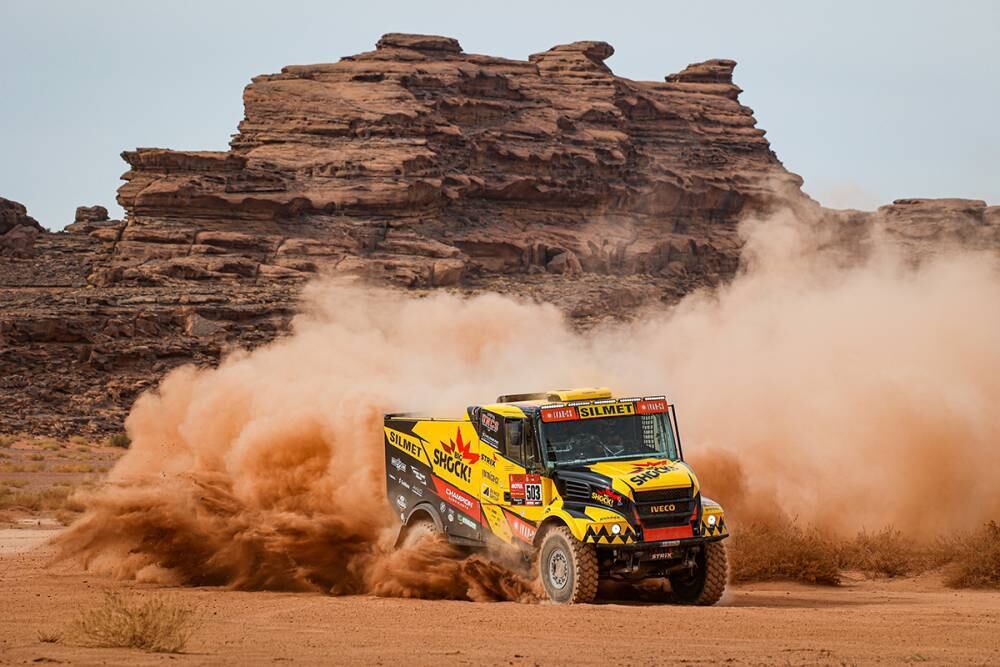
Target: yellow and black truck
(593, 486)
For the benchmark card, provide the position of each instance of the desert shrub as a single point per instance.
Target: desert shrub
(886, 553)
(51, 498)
(149, 622)
(49, 444)
(49, 636)
(975, 559)
(36, 457)
(784, 550)
(7, 439)
(78, 440)
(74, 467)
(120, 440)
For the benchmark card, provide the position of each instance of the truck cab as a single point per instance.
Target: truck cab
(591, 486)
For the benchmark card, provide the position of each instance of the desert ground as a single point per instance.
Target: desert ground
(864, 620)
(914, 620)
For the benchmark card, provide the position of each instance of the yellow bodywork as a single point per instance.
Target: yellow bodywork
(471, 478)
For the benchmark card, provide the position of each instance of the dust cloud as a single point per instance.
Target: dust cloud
(846, 392)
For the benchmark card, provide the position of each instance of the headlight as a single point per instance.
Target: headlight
(711, 519)
(616, 529)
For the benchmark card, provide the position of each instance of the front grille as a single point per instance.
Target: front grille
(574, 490)
(654, 510)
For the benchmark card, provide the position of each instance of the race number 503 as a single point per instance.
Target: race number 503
(532, 494)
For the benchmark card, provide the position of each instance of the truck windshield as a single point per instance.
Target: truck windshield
(608, 438)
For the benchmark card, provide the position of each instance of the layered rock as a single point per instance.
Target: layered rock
(426, 166)
(18, 230)
(419, 166)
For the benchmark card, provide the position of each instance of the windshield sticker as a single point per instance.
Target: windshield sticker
(649, 407)
(607, 410)
(559, 414)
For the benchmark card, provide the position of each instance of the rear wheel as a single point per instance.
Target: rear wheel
(707, 582)
(567, 566)
(416, 530)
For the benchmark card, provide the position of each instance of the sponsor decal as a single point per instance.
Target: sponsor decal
(451, 517)
(401, 502)
(490, 422)
(467, 522)
(606, 410)
(651, 406)
(488, 460)
(490, 493)
(397, 464)
(404, 442)
(456, 457)
(491, 477)
(559, 414)
(403, 483)
(457, 498)
(661, 555)
(421, 477)
(526, 489)
(392, 477)
(521, 529)
(606, 497)
(650, 470)
(418, 492)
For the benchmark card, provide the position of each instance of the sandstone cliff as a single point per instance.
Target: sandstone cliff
(414, 165)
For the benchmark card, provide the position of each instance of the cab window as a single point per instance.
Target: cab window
(520, 441)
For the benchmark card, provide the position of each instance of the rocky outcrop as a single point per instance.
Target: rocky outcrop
(415, 165)
(18, 230)
(426, 166)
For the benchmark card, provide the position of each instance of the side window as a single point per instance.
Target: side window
(514, 429)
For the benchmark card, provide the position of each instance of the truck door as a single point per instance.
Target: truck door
(512, 493)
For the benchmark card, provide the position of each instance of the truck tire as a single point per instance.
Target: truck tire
(414, 531)
(706, 584)
(567, 567)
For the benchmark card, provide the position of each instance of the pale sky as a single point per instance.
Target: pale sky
(868, 102)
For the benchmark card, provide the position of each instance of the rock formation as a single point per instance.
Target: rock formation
(427, 166)
(414, 165)
(18, 230)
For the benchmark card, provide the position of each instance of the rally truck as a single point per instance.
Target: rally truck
(592, 486)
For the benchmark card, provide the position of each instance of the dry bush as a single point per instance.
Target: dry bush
(886, 553)
(783, 550)
(120, 440)
(21, 467)
(50, 498)
(974, 559)
(7, 439)
(149, 622)
(74, 467)
(78, 440)
(49, 636)
(36, 457)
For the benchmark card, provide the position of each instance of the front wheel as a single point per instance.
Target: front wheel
(567, 567)
(705, 584)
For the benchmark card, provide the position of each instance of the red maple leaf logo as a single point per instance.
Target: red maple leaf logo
(460, 448)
